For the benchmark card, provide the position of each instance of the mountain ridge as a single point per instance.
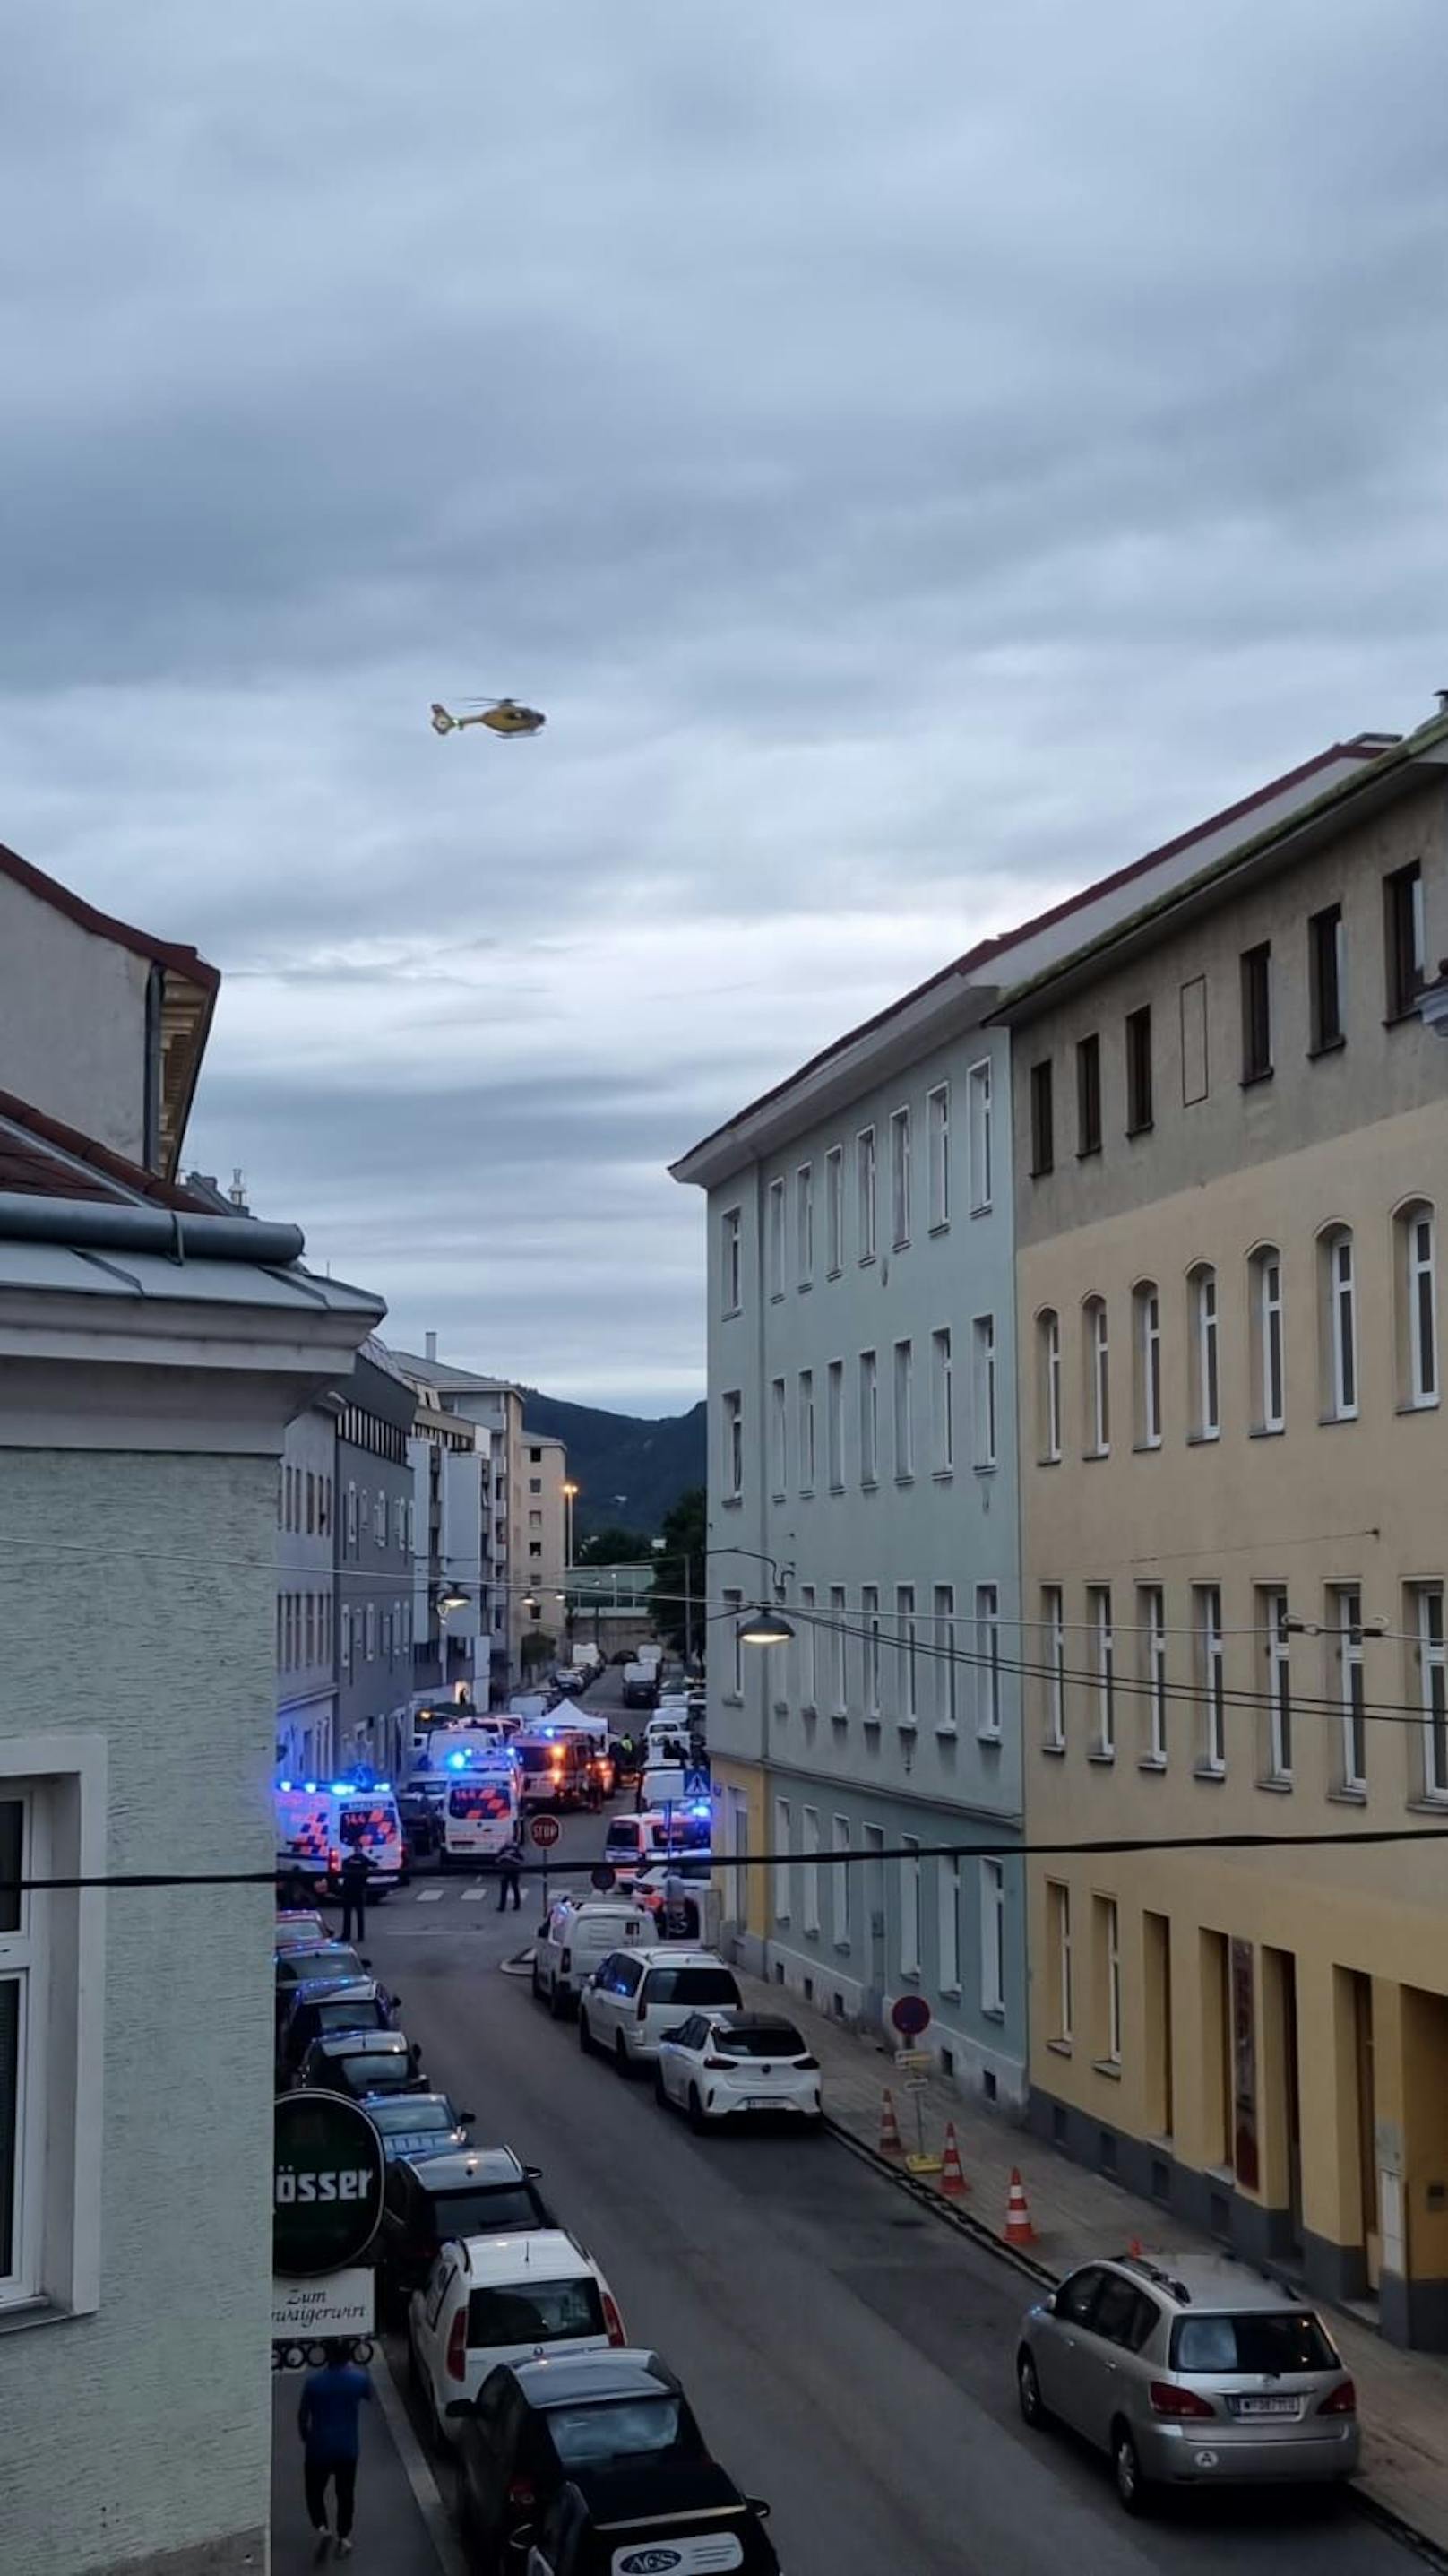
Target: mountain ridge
(630, 1469)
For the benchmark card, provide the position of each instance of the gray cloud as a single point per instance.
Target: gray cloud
(917, 464)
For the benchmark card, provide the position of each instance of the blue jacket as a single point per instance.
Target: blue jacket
(332, 2401)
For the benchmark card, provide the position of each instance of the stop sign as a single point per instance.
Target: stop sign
(544, 1831)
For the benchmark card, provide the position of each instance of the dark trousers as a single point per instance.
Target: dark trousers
(354, 1912)
(510, 1883)
(316, 2473)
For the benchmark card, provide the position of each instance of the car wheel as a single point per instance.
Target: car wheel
(1131, 2487)
(1028, 2390)
(660, 2096)
(696, 2111)
(621, 2057)
(538, 1995)
(557, 2001)
(585, 2035)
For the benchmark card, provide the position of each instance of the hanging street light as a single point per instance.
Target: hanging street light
(451, 1597)
(764, 1628)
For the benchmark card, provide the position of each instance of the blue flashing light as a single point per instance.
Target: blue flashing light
(384, 1784)
(340, 1788)
(311, 1788)
(700, 1807)
(284, 1784)
(457, 1762)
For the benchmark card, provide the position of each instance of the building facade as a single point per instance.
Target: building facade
(375, 1535)
(306, 1593)
(543, 1528)
(492, 1410)
(1231, 1157)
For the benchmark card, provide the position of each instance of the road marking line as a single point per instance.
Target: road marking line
(429, 1896)
(425, 2488)
(474, 1895)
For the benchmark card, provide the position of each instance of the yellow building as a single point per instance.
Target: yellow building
(1231, 1150)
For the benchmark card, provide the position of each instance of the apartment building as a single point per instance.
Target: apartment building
(512, 1488)
(376, 1537)
(543, 1517)
(1230, 1155)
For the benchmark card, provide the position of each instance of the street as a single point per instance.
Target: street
(849, 2359)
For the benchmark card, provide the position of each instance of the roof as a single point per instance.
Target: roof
(473, 2168)
(586, 2378)
(43, 1157)
(976, 969)
(448, 1380)
(103, 925)
(548, 2253)
(1211, 2281)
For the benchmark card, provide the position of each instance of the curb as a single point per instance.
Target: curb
(975, 2229)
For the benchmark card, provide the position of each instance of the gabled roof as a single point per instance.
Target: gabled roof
(42, 1157)
(102, 925)
(448, 1380)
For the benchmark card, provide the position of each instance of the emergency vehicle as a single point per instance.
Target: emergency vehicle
(479, 1808)
(317, 1822)
(559, 1768)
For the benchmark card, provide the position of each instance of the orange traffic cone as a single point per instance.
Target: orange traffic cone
(1019, 2230)
(1135, 2248)
(891, 2143)
(952, 2172)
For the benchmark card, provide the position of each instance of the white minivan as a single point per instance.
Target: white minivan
(635, 1995)
(578, 1933)
(491, 2299)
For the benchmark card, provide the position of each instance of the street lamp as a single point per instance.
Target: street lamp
(451, 1597)
(570, 1496)
(764, 1628)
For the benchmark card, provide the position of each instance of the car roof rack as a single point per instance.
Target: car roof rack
(1155, 2272)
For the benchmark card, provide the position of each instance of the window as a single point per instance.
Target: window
(1048, 1394)
(869, 1418)
(783, 1869)
(839, 1696)
(1207, 1602)
(778, 1438)
(1256, 973)
(945, 1667)
(535, 1484)
(904, 1409)
(804, 1222)
(906, 1642)
(807, 1644)
(1193, 999)
(311, 1503)
(51, 1958)
(535, 1457)
(1151, 1629)
(1053, 1656)
(983, 1337)
(1206, 1382)
(835, 1210)
(992, 1937)
(900, 1178)
(840, 1882)
(937, 1120)
(1043, 1124)
(733, 1448)
(810, 1873)
(910, 1906)
(1417, 1267)
(988, 1666)
(346, 1650)
(1098, 1380)
(870, 1622)
(1146, 1317)
(731, 1267)
(1138, 1071)
(1404, 939)
(775, 1238)
(942, 1404)
(1339, 1305)
(835, 1425)
(1325, 963)
(1088, 1095)
(1277, 1658)
(1058, 1937)
(1108, 1952)
(1266, 1280)
(947, 1895)
(982, 1155)
(379, 1519)
(733, 1613)
(806, 1431)
(865, 1192)
(1103, 1660)
(1348, 1626)
(1426, 1621)
(351, 1520)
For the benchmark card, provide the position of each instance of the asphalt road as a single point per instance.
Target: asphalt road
(849, 2357)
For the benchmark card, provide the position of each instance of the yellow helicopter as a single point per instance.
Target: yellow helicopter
(500, 715)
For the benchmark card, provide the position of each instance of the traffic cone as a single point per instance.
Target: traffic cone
(952, 2172)
(891, 2143)
(1136, 2249)
(1019, 2230)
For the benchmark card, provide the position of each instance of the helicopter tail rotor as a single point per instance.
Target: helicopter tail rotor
(442, 722)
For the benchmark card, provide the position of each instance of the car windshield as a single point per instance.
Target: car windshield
(532, 2312)
(295, 1966)
(484, 2213)
(583, 2435)
(761, 2040)
(1271, 2341)
(690, 1986)
(369, 2074)
(395, 2119)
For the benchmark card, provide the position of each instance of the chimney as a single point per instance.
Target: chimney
(237, 1191)
(430, 1346)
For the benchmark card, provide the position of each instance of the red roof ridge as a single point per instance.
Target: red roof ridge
(103, 925)
(101, 1160)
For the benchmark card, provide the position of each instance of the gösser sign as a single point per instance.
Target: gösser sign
(327, 2177)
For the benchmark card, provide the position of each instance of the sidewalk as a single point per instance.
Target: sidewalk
(401, 2528)
(1403, 2396)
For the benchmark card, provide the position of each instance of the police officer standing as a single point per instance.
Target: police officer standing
(354, 1873)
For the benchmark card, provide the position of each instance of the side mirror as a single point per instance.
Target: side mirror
(756, 2503)
(466, 2119)
(459, 2406)
(1048, 2304)
(365, 1962)
(397, 2003)
(676, 2033)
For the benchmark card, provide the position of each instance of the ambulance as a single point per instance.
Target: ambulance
(317, 1822)
(479, 1808)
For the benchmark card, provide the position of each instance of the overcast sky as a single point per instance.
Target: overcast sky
(918, 458)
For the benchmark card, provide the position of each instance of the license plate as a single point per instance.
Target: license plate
(1267, 2406)
(762, 2102)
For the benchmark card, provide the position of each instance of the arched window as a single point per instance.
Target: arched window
(1205, 1352)
(1048, 1383)
(1337, 1307)
(1098, 1378)
(1146, 1362)
(1416, 1279)
(1269, 1384)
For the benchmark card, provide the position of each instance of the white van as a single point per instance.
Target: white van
(632, 1839)
(580, 1931)
(479, 1812)
(317, 1821)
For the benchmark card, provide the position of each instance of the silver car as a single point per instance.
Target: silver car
(1191, 2370)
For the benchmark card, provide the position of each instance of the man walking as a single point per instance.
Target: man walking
(328, 2421)
(354, 1873)
(510, 1873)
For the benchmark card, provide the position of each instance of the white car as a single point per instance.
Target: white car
(634, 1996)
(578, 1933)
(716, 2065)
(490, 2299)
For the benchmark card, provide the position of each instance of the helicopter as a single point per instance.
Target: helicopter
(500, 715)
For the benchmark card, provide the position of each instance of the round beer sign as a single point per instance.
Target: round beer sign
(328, 2170)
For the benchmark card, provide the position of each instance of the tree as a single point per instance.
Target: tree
(615, 1546)
(535, 1649)
(680, 1571)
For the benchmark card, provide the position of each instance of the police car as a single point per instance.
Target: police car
(317, 1821)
